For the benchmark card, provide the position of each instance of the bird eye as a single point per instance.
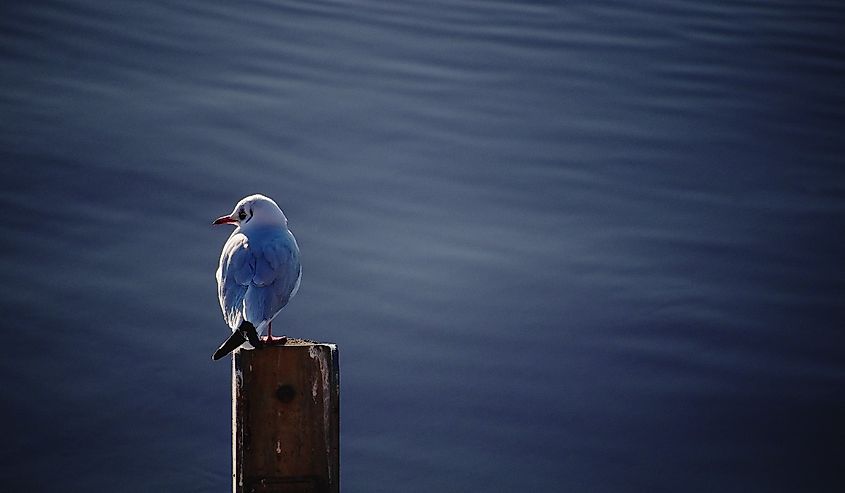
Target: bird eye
(241, 215)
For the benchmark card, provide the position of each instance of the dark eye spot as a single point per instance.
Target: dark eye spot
(241, 215)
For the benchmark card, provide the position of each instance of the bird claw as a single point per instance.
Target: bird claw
(273, 340)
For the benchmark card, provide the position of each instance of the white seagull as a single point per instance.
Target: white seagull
(259, 272)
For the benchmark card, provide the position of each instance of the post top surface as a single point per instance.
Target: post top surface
(293, 341)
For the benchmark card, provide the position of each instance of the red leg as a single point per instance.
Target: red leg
(269, 339)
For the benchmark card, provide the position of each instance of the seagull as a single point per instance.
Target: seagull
(258, 275)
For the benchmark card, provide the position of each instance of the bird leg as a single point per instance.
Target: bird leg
(276, 341)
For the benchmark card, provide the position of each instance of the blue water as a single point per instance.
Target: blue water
(594, 246)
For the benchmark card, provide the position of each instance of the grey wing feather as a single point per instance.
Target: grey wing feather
(233, 276)
(254, 284)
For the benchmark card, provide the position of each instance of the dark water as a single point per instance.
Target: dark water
(595, 246)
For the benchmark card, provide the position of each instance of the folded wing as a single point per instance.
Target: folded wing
(257, 276)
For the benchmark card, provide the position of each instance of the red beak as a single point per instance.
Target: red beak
(224, 220)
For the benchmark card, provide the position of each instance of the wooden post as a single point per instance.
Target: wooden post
(285, 419)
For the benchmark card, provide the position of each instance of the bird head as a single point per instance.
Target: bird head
(255, 210)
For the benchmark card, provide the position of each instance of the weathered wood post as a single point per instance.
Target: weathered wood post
(285, 419)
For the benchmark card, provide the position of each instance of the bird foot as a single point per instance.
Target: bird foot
(274, 341)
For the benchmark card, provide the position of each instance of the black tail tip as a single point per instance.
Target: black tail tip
(232, 343)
